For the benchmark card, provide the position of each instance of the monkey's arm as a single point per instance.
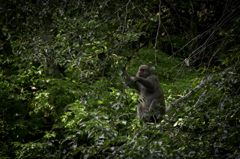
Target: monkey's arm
(128, 80)
(146, 83)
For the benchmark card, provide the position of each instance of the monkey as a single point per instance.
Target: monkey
(151, 104)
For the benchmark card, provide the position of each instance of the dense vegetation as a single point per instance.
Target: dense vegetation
(62, 93)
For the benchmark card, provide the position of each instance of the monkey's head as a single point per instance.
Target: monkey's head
(143, 71)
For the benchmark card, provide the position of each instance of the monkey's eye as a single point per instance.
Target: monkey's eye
(142, 70)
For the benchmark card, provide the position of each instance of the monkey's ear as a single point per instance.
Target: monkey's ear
(152, 69)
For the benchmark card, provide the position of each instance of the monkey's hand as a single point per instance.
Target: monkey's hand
(134, 79)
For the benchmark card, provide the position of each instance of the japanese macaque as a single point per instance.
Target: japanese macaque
(152, 104)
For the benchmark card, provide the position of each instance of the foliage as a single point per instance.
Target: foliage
(61, 79)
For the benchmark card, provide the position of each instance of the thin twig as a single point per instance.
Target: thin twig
(159, 24)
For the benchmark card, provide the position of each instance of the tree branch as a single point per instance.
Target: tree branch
(196, 89)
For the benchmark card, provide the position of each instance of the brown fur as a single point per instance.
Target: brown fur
(152, 103)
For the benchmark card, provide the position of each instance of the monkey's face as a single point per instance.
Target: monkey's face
(143, 71)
